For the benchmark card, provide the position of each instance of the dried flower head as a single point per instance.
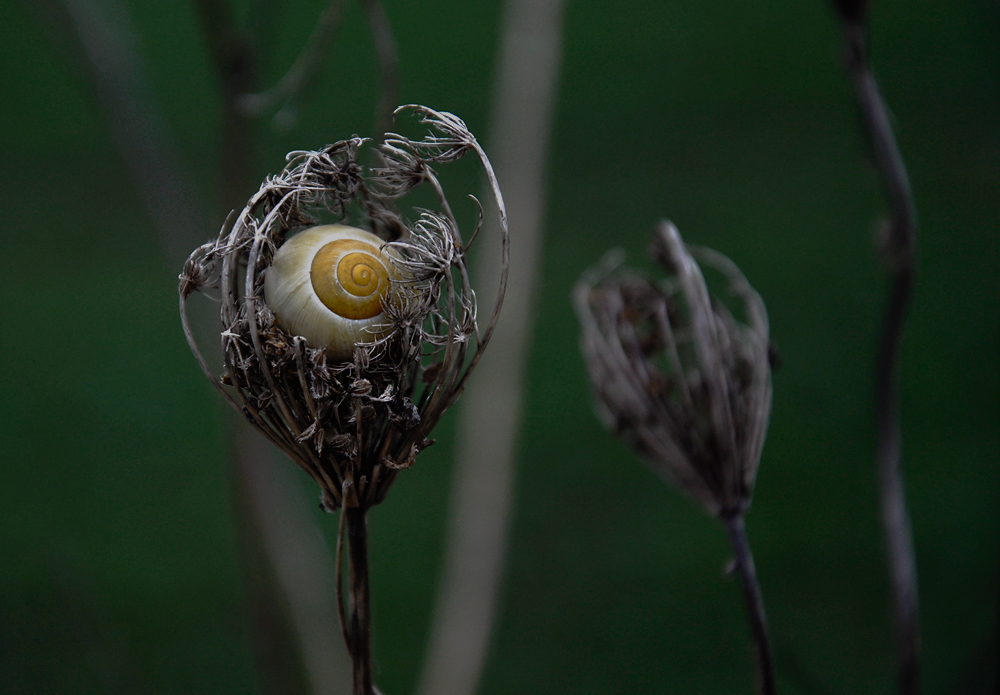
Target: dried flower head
(676, 375)
(351, 423)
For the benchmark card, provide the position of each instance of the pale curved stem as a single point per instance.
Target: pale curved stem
(102, 46)
(388, 63)
(490, 415)
(303, 70)
(300, 559)
(103, 37)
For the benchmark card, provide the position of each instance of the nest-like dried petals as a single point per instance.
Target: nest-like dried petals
(351, 425)
(676, 376)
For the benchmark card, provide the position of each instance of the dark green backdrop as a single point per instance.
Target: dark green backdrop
(118, 565)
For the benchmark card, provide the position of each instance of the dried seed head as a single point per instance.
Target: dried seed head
(351, 425)
(677, 376)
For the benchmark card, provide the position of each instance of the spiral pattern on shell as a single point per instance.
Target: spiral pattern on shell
(350, 278)
(327, 284)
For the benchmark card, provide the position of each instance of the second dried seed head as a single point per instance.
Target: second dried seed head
(675, 374)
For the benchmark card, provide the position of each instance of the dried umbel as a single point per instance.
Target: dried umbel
(676, 375)
(688, 385)
(345, 346)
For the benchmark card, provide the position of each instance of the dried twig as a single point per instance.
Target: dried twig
(388, 62)
(303, 70)
(105, 49)
(899, 247)
(300, 560)
(755, 602)
(234, 63)
(360, 629)
(100, 42)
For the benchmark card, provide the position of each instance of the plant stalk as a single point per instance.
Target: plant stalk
(755, 603)
(359, 604)
(899, 248)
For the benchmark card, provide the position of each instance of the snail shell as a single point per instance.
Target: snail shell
(327, 285)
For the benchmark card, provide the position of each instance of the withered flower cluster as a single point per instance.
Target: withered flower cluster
(687, 384)
(676, 375)
(352, 426)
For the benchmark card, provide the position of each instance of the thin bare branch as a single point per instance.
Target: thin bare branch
(302, 73)
(341, 611)
(301, 561)
(900, 251)
(755, 603)
(360, 618)
(234, 63)
(100, 42)
(388, 62)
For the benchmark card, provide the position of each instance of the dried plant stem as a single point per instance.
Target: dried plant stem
(101, 45)
(277, 658)
(899, 248)
(303, 71)
(234, 63)
(300, 561)
(755, 603)
(388, 63)
(305, 68)
(490, 422)
(360, 607)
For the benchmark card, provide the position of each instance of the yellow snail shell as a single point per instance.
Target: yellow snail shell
(327, 284)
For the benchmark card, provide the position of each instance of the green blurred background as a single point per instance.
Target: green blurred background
(118, 557)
